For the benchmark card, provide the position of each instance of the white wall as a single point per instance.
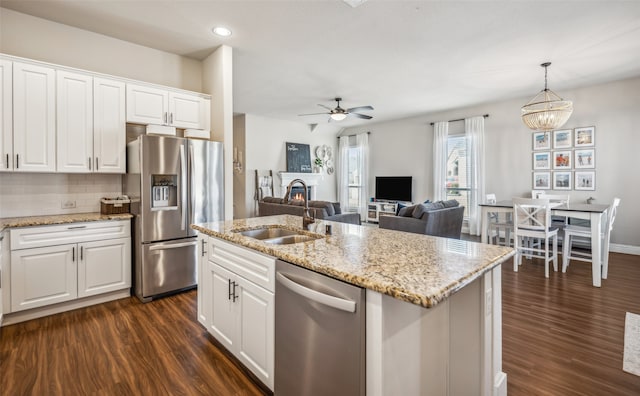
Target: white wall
(264, 149)
(404, 147)
(39, 39)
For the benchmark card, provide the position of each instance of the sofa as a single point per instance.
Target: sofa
(322, 210)
(442, 218)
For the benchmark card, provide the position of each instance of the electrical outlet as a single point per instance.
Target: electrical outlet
(68, 204)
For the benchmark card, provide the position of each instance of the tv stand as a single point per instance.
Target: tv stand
(377, 209)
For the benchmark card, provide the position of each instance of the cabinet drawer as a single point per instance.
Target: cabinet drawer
(253, 266)
(39, 236)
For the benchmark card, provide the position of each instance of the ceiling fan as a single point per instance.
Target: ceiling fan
(339, 114)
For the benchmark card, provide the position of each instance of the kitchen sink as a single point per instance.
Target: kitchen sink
(278, 236)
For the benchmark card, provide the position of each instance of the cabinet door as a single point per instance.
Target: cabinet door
(6, 116)
(43, 276)
(256, 330)
(109, 126)
(204, 288)
(34, 118)
(74, 122)
(146, 105)
(185, 111)
(224, 310)
(104, 266)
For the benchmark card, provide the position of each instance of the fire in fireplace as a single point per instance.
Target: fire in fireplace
(298, 193)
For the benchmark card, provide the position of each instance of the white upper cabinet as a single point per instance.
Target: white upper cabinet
(109, 126)
(34, 118)
(148, 105)
(74, 122)
(6, 117)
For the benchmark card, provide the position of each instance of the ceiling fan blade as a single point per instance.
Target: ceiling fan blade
(360, 108)
(311, 114)
(366, 117)
(325, 107)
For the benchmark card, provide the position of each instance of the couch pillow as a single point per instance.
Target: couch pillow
(452, 203)
(336, 208)
(420, 209)
(400, 206)
(327, 206)
(406, 211)
(273, 200)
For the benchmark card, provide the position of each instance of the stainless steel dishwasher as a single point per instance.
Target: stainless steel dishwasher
(319, 334)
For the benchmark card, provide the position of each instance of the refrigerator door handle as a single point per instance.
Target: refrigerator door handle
(192, 181)
(313, 295)
(173, 245)
(183, 187)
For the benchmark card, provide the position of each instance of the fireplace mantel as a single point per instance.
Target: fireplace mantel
(311, 179)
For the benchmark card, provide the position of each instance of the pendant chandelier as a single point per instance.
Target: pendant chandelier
(546, 111)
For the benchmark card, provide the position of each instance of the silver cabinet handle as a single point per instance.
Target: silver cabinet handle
(81, 252)
(76, 227)
(90, 163)
(171, 118)
(96, 164)
(313, 295)
(204, 243)
(164, 118)
(7, 160)
(229, 290)
(17, 161)
(183, 187)
(73, 254)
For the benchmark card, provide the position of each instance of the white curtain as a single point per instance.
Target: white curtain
(440, 132)
(343, 171)
(362, 142)
(474, 131)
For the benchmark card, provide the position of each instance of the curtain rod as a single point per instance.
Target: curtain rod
(459, 119)
(368, 133)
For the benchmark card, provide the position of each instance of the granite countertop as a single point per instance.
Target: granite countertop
(27, 221)
(419, 269)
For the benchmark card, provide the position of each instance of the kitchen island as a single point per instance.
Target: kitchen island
(433, 305)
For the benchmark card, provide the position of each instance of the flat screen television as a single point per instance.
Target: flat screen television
(393, 188)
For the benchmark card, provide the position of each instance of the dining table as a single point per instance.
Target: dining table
(595, 213)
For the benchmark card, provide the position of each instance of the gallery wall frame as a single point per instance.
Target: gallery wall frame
(542, 140)
(584, 158)
(585, 180)
(562, 180)
(542, 160)
(562, 159)
(562, 139)
(585, 136)
(541, 180)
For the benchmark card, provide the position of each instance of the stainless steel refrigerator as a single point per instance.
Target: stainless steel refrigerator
(172, 182)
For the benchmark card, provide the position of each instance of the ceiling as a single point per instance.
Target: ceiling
(402, 57)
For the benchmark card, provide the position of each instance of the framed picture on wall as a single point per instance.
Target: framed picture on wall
(542, 160)
(585, 158)
(562, 180)
(562, 159)
(562, 139)
(585, 136)
(541, 140)
(541, 180)
(585, 180)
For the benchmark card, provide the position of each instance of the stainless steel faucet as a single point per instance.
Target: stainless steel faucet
(306, 217)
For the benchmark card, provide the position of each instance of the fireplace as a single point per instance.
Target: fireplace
(311, 180)
(297, 192)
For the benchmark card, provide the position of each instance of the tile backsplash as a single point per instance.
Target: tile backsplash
(33, 194)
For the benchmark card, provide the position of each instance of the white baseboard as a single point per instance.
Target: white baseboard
(626, 249)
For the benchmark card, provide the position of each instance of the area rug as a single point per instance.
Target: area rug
(631, 360)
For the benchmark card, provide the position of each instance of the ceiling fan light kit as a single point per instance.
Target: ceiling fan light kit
(339, 114)
(546, 111)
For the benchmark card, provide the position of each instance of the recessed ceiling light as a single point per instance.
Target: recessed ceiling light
(221, 31)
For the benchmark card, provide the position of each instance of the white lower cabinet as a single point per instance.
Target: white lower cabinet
(43, 276)
(61, 263)
(238, 291)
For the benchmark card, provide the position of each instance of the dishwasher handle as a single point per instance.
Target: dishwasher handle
(313, 295)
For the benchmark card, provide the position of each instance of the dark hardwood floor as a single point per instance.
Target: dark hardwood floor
(561, 336)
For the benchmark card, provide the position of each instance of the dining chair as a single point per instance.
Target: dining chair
(496, 224)
(532, 219)
(574, 233)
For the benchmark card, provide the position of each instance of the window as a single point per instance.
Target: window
(354, 178)
(458, 171)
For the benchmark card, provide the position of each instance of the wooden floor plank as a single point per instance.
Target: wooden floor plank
(561, 336)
